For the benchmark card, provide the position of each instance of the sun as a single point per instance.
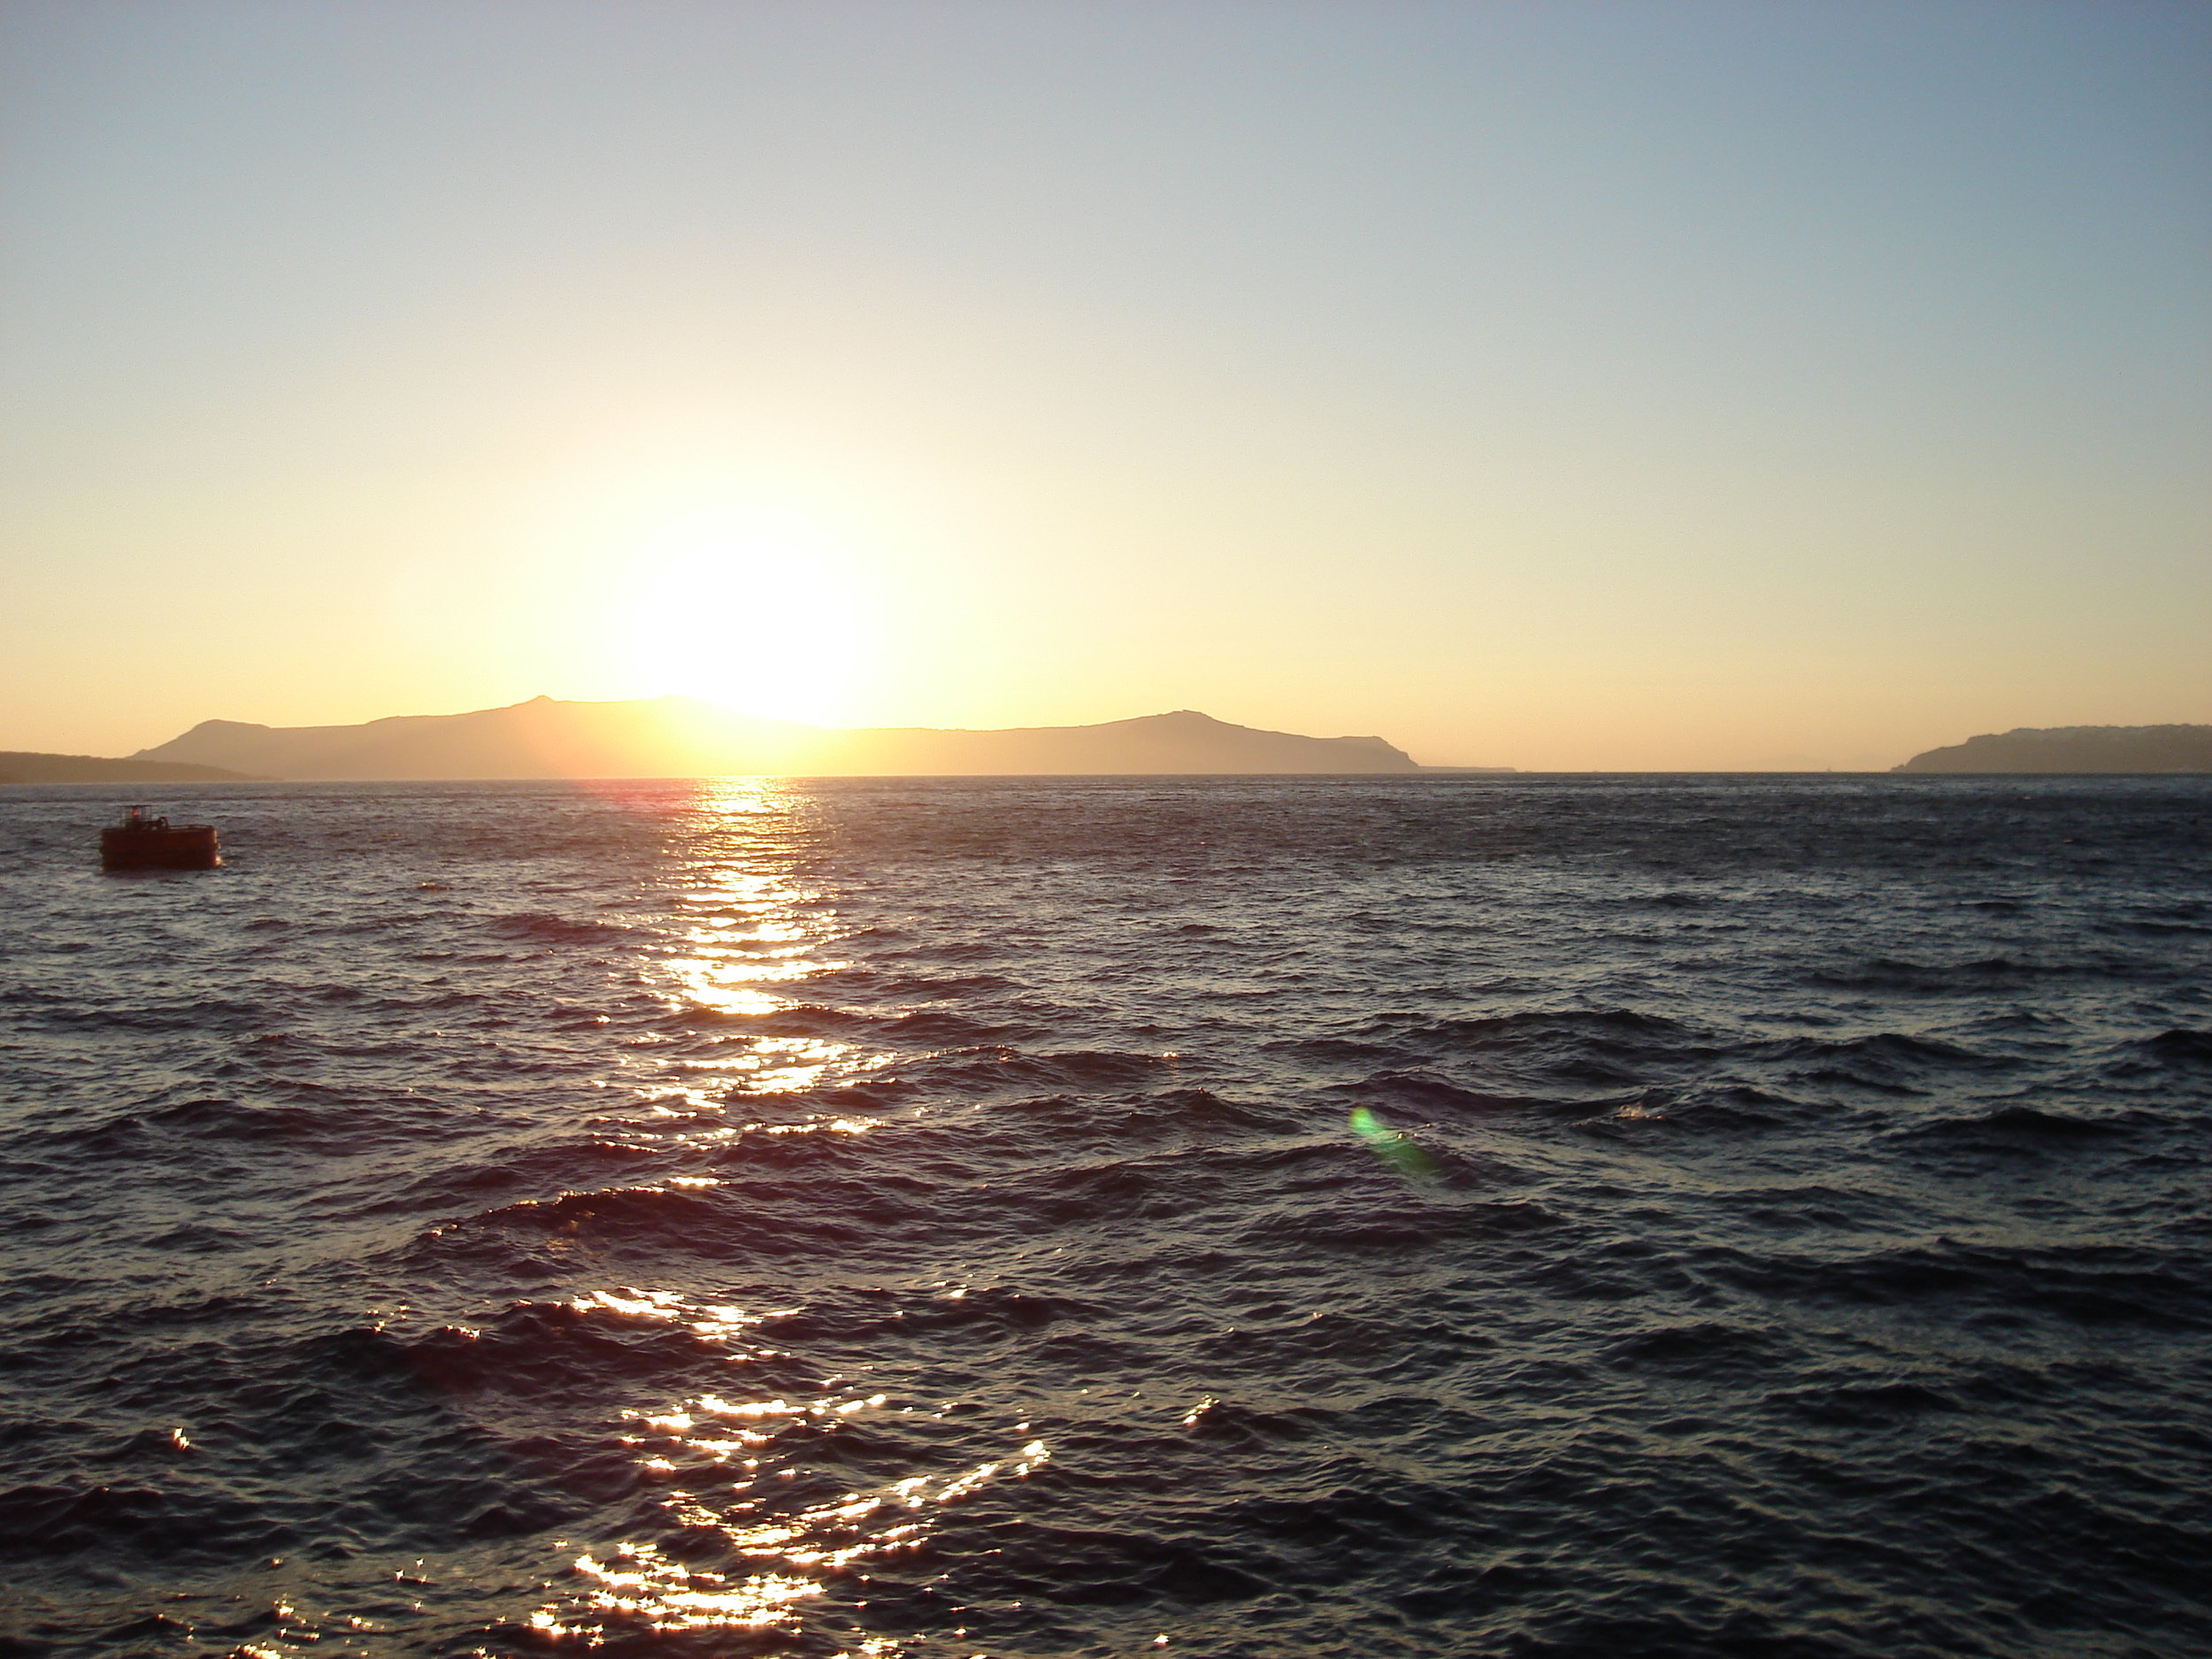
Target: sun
(756, 619)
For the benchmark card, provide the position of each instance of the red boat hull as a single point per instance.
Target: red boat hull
(189, 846)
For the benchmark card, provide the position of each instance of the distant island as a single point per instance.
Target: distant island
(22, 766)
(682, 737)
(2075, 748)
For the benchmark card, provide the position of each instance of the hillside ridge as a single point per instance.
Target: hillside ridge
(673, 736)
(2074, 749)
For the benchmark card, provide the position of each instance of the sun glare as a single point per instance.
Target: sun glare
(755, 619)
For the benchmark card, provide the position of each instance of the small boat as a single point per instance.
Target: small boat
(140, 842)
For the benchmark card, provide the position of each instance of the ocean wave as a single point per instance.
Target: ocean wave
(885, 1216)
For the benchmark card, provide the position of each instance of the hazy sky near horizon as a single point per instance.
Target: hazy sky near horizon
(1628, 383)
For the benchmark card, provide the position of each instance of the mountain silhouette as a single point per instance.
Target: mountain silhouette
(2075, 748)
(682, 737)
(26, 766)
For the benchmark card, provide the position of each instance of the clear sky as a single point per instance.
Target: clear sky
(1635, 383)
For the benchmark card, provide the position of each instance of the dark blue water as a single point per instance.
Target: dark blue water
(925, 1218)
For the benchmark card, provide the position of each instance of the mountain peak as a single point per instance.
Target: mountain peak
(682, 737)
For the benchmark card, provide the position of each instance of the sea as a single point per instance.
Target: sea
(1592, 1216)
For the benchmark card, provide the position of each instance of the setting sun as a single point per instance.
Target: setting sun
(756, 620)
(929, 828)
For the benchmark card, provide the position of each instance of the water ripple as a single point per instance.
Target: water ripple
(1568, 1217)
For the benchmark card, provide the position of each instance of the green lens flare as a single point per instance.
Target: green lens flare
(1406, 1158)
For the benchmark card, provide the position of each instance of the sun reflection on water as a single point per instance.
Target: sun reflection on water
(739, 1481)
(751, 931)
(719, 1458)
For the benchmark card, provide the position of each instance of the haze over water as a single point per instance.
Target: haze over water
(1669, 385)
(918, 1218)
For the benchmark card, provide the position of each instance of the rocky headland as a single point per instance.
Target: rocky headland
(2075, 748)
(680, 737)
(24, 766)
